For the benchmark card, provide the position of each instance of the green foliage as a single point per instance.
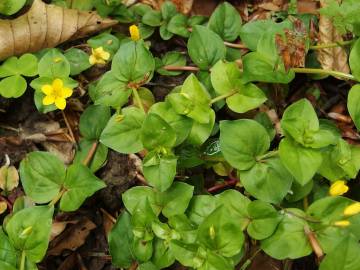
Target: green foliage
(10, 7)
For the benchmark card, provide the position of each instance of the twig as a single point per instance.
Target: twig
(113, 220)
(68, 127)
(227, 183)
(134, 266)
(184, 68)
(91, 153)
(314, 243)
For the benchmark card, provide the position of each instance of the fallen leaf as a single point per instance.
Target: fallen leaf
(331, 58)
(72, 238)
(58, 227)
(9, 178)
(292, 47)
(46, 26)
(3, 207)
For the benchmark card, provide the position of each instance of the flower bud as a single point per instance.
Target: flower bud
(338, 188)
(342, 223)
(352, 209)
(134, 32)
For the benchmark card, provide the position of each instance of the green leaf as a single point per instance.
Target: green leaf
(241, 141)
(264, 220)
(29, 231)
(159, 170)
(42, 175)
(6, 266)
(152, 18)
(251, 32)
(162, 256)
(268, 181)
(134, 196)
(78, 59)
(148, 266)
(80, 183)
(110, 91)
(219, 232)
(120, 251)
(225, 77)
(345, 256)
(13, 86)
(352, 104)
(201, 132)
(289, 239)
(180, 124)
(26, 65)
(215, 261)
(99, 157)
(8, 254)
(168, 10)
(263, 119)
(142, 250)
(236, 204)
(301, 162)
(258, 67)
(10, 7)
(176, 199)
(226, 22)
(123, 135)
(178, 25)
(54, 65)
(156, 133)
(354, 59)
(110, 43)
(200, 207)
(186, 254)
(139, 62)
(249, 97)
(93, 121)
(205, 47)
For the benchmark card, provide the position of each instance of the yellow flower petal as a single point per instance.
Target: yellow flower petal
(47, 89)
(342, 223)
(48, 100)
(66, 92)
(352, 209)
(338, 188)
(105, 55)
(134, 32)
(57, 84)
(60, 103)
(92, 59)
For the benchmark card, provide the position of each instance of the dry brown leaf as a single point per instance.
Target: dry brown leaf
(183, 6)
(72, 238)
(331, 58)
(58, 227)
(3, 207)
(46, 26)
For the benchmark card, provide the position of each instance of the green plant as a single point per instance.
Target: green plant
(288, 176)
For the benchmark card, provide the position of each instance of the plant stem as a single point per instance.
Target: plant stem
(227, 183)
(22, 262)
(91, 153)
(314, 242)
(268, 155)
(235, 45)
(138, 99)
(183, 68)
(324, 72)
(331, 45)
(218, 98)
(57, 198)
(68, 127)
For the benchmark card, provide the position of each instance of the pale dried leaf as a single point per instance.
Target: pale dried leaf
(9, 178)
(46, 26)
(331, 58)
(3, 207)
(58, 227)
(72, 238)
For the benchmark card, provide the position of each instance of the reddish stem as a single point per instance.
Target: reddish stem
(227, 183)
(183, 68)
(90, 154)
(9, 204)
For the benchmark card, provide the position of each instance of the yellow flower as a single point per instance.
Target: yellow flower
(99, 56)
(342, 223)
(56, 93)
(352, 209)
(134, 32)
(338, 188)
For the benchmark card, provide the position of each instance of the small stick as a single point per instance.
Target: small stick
(113, 220)
(314, 243)
(90, 154)
(68, 126)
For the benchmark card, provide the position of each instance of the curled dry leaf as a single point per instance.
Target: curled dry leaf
(58, 227)
(9, 178)
(46, 26)
(72, 238)
(331, 58)
(183, 6)
(3, 207)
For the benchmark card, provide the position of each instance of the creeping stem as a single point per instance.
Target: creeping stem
(91, 153)
(221, 97)
(324, 72)
(332, 45)
(22, 262)
(57, 198)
